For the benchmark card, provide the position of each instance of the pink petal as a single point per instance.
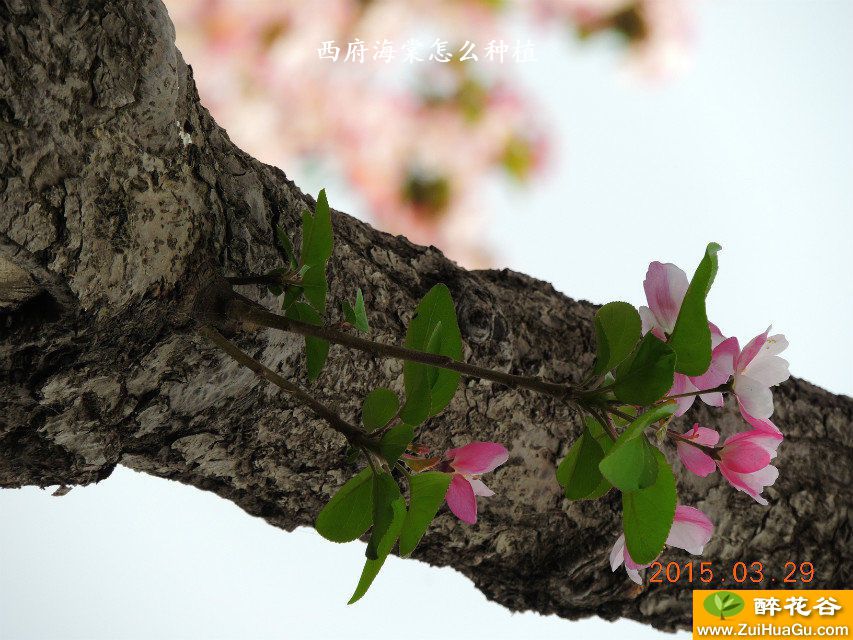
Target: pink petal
(695, 459)
(769, 442)
(716, 335)
(703, 435)
(648, 320)
(741, 455)
(630, 565)
(460, 498)
(619, 556)
(713, 399)
(665, 286)
(763, 425)
(681, 384)
(480, 489)
(691, 530)
(477, 457)
(752, 483)
(721, 367)
(755, 397)
(650, 323)
(751, 350)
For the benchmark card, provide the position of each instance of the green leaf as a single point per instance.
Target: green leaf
(394, 442)
(597, 431)
(691, 337)
(631, 463)
(349, 513)
(384, 542)
(626, 409)
(286, 246)
(578, 473)
(647, 514)
(315, 287)
(617, 330)
(427, 492)
(645, 420)
(386, 495)
(316, 251)
(291, 295)
(647, 374)
(316, 349)
(378, 408)
(357, 316)
(433, 329)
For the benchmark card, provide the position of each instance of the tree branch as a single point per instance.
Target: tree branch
(248, 312)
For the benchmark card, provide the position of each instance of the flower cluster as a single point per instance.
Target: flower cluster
(748, 373)
(465, 466)
(649, 366)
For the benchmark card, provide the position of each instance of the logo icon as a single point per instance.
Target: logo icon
(724, 604)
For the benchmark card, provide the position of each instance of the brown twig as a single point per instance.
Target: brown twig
(352, 433)
(247, 311)
(711, 451)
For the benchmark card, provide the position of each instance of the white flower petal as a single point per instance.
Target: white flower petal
(768, 370)
(480, 489)
(755, 397)
(634, 575)
(617, 553)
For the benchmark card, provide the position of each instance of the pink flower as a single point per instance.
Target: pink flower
(467, 464)
(691, 530)
(757, 368)
(765, 425)
(693, 458)
(665, 287)
(743, 460)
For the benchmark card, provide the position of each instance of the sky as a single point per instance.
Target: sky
(752, 148)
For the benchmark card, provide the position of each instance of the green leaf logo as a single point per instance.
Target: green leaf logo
(724, 604)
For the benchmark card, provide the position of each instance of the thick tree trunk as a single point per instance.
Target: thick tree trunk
(121, 198)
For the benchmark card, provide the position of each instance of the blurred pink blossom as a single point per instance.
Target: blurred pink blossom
(416, 141)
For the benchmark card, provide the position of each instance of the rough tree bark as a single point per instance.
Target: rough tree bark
(121, 197)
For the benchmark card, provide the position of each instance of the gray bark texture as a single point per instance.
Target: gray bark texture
(122, 198)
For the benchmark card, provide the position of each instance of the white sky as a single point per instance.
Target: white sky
(753, 148)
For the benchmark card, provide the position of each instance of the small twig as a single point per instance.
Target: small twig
(352, 433)
(708, 450)
(605, 422)
(621, 414)
(247, 311)
(720, 389)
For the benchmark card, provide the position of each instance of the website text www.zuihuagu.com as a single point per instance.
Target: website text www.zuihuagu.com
(769, 630)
